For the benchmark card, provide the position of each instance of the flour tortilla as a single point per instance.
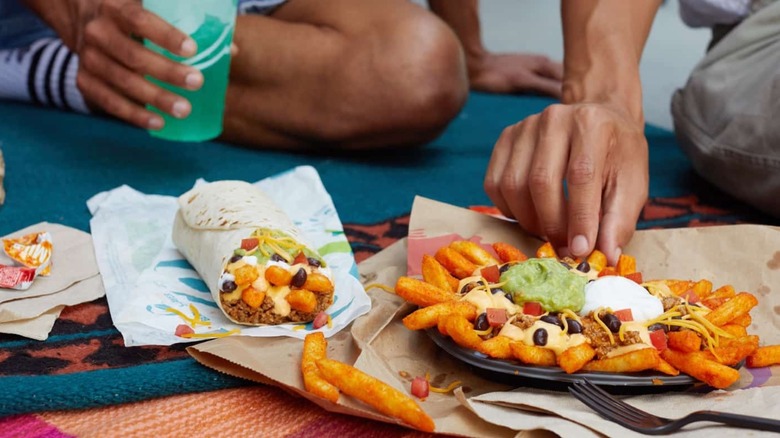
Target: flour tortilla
(212, 220)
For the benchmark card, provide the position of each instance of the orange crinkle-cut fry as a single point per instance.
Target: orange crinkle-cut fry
(314, 348)
(372, 391)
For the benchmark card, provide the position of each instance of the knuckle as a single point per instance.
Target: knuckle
(581, 171)
(510, 186)
(92, 32)
(540, 178)
(133, 59)
(134, 16)
(587, 114)
(580, 217)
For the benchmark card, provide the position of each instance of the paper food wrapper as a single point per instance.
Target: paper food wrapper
(74, 280)
(151, 288)
(745, 256)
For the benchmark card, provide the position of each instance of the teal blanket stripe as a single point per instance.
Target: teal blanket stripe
(56, 161)
(25, 394)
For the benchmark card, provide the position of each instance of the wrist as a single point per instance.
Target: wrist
(605, 89)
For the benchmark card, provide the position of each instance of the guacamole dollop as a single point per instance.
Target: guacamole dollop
(547, 282)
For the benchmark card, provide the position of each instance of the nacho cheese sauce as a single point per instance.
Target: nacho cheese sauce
(483, 299)
(557, 340)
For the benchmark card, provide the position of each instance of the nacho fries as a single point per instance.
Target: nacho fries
(701, 330)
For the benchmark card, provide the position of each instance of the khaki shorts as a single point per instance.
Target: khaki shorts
(727, 117)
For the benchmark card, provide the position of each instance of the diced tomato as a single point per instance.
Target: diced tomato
(496, 317)
(658, 338)
(183, 329)
(532, 308)
(490, 273)
(635, 276)
(690, 296)
(300, 259)
(251, 243)
(624, 315)
(420, 387)
(320, 320)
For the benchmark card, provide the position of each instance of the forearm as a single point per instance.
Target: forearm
(603, 43)
(463, 17)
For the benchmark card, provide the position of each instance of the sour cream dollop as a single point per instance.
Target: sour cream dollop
(619, 293)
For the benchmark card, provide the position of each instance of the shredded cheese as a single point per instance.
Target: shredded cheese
(193, 321)
(384, 287)
(211, 335)
(604, 326)
(448, 388)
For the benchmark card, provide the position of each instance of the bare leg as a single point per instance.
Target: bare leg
(343, 74)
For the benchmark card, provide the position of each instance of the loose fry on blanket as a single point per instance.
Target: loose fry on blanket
(710, 372)
(314, 349)
(732, 351)
(626, 265)
(372, 391)
(496, 347)
(597, 260)
(460, 330)
(436, 274)
(686, 341)
(703, 288)
(633, 361)
(546, 251)
(474, 253)
(454, 261)
(421, 293)
(733, 308)
(508, 253)
(764, 357)
(532, 355)
(666, 368)
(428, 317)
(574, 358)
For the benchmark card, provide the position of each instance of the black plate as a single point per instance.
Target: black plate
(513, 370)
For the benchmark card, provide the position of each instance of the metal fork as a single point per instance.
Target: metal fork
(640, 421)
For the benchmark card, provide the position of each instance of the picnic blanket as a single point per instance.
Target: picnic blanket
(56, 161)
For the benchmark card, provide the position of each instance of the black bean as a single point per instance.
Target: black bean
(613, 322)
(313, 262)
(552, 319)
(481, 322)
(299, 278)
(277, 258)
(574, 326)
(234, 259)
(566, 265)
(229, 286)
(498, 290)
(656, 326)
(584, 267)
(540, 337)
(504, 267)
(467, 287)
(673, 328)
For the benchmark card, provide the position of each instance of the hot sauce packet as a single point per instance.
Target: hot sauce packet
(32, 251)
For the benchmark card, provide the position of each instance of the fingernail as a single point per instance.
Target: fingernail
(154, 123)
(233, 49)
(579, 245)
(193, 80)
(180, 109)
(188, 47)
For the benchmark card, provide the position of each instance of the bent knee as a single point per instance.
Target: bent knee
(415, 81)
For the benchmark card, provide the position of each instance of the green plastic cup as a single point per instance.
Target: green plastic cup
(210, 23)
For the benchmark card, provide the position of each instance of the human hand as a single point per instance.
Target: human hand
(114, 63)
(598, 152)
(515, 73)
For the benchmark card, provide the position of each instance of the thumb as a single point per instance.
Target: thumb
(618, 223)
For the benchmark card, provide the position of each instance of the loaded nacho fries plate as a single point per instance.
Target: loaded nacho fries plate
(563, 319)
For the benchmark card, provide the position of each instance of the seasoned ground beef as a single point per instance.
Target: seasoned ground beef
(599, 339)
(524, 321)
(240, 311)
(670, 302)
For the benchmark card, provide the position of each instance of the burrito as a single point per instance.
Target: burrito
(253, 258)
